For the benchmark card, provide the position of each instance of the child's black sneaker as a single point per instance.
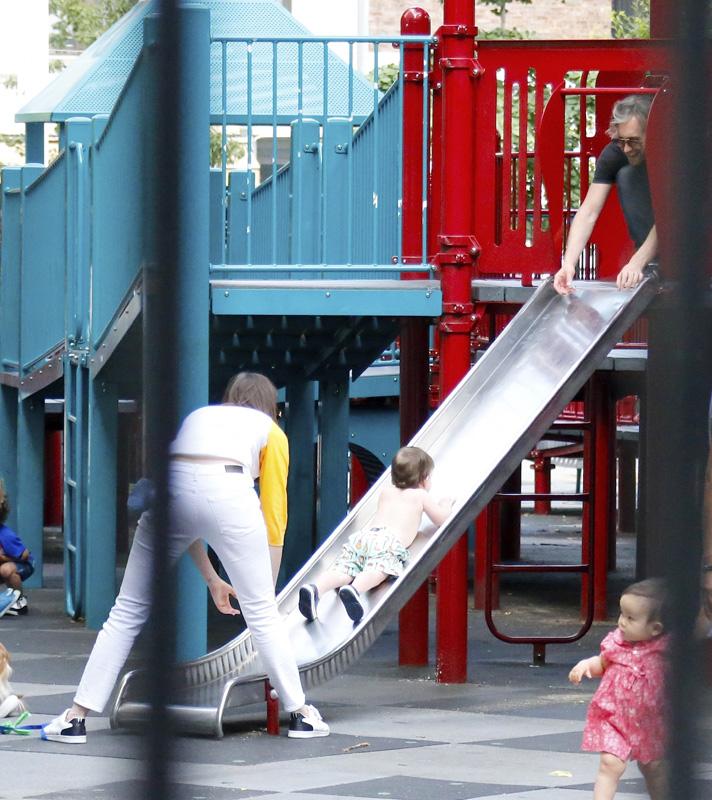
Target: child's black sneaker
(307, 725)
(350, 598)
(308, 601)
(61, 729)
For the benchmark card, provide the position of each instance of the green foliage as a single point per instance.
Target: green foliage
(635, 25)
(499, 7)
(387, 76)
(78, 23)
(16, 142)
(233, 148)
(504, 33)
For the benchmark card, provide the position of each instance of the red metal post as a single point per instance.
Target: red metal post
(663, 24)
(457, 249)
(54, 480)
(359, 482)
(542, 467)
(588, 519)
(604, 414)
(510, 520)
(599, 481)
(272, 710)
(626, 486)
(413, 619)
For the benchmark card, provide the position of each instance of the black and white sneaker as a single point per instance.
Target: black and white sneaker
(19, 607)
(307, 726)
(308, 601)
(350, 598)
(69, 731)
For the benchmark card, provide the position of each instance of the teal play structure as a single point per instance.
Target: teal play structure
(297, 277)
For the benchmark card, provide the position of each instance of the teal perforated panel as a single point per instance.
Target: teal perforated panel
(94, 82)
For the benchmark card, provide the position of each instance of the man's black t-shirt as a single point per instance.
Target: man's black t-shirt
(633, 190)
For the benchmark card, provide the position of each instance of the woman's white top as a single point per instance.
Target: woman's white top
(250, 438)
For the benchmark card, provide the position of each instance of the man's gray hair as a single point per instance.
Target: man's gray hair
(634, 106)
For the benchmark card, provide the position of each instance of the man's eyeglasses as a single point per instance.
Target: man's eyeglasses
(633, 142)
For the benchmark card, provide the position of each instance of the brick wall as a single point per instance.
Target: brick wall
(545, 19)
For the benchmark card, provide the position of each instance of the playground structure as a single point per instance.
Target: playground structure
(381, 222)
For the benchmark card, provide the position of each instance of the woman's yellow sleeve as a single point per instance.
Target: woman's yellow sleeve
(274, 468)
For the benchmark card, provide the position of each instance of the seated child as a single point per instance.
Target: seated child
(16, 563)
(381, 550)
(10, 703)
(625, 720)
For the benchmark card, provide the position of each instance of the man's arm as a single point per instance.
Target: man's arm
(579, 234)
(632, 273)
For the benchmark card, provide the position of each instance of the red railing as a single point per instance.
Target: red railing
(541, 110)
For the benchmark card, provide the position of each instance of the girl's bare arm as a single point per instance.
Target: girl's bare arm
(592, 667)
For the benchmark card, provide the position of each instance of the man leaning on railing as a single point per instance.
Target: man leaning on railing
(622, 162)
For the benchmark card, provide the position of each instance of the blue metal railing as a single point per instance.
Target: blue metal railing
(337, 206)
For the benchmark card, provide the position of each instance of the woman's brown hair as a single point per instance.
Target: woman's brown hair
(252, 390)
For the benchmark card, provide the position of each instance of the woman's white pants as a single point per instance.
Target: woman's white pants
(223, 509)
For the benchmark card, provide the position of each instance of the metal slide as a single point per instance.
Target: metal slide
(488, 424)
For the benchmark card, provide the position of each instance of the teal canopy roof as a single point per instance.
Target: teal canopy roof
(92, 84)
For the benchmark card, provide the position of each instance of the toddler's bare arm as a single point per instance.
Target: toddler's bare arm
(589, 667)
(437, 510)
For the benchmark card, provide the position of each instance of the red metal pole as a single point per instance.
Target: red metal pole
(542, 467)
(272, 710)
(481, 534)
(414, 368)
(663, 24)
(457, 249)
(54, 488)
(603, 413)
(510, 519)
(626, 487)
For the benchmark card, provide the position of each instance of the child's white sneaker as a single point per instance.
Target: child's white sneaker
(63, 729)
(308, 601)
(307, 726)
(350, 598)
(8, 599)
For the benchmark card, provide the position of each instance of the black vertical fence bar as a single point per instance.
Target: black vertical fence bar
(160, 362)
(688, 358)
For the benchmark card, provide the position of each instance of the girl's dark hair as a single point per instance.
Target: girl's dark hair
(252, 390)
(655, 591)
(4, 503)
(410, 467)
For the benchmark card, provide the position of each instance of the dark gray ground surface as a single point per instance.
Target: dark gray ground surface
(512, 731)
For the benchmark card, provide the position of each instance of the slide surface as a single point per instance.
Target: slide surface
(499, 411)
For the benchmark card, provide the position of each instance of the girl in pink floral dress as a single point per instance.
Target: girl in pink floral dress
(625, 720)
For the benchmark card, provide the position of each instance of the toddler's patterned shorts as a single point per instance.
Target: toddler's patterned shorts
(372, 548)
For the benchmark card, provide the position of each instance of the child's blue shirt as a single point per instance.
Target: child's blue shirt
(11, 543)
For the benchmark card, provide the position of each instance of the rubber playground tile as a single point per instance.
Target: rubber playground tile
(244, 748)
(251, 747)
(49, 704)
(403, 787)
(547, 742)
(572, 711)
(130, 790)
